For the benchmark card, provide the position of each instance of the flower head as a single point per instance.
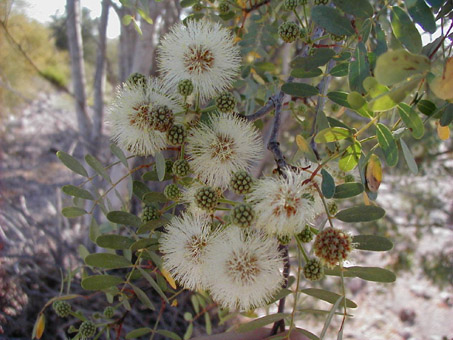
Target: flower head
(243, 269)
(131, 119)
(223, 146)
(203, 52)
(284, 205)
(332, 246)
(184, 247)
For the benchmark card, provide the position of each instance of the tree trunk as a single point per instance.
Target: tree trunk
(99, 77)
(77, 69)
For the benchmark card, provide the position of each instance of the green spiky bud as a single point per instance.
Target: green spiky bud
(206, 198)
(333, 208)
(306, 235)
(168, 166)
(224, 7)
(284, 239)
(185, 87)
(313, 270)
(332, 246)
(291, 5)
(181, 168)
(349, 178)
(61, 308)
(150, 213)
(137, 79)
(241, 182)
(289, 31)
(172, 192)
(197, 7)
(321, 2)
(87, 329)
(162, 118)
(176, 135)
(243, 215)
(109, 312)
(225, 102)
(337, 38)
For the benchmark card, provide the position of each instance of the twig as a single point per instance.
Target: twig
(281, 305)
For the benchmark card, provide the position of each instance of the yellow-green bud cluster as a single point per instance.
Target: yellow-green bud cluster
(333, 208)
(87, 329)
(332, 246)
(289, 31)
(181, 167)
(225, 102)
(150, 213)
(291, 4)
(61, 308)
(137, 79)
(321, 2)
(284, 239)
(349, 178)
(337, 38)
(243, 215)
(162, 118)
(172, 192)
(197, 7)
(313, 270)
(306, 235)
(109, 311)
(185, 87)
(241, 182)
(206, 198)
(177, 134)
(224, 7)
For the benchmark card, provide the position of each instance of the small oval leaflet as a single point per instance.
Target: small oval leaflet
(328, 184)
(77, 192)
(361, 213)
(327, 296)
(375, 274)
(261, 322)
(113, 241)
(300, 90)
(372, 242)
(107, 261)
(100, 282)
(347, 190)
(72, 163)
(125, 218)
(71, 212)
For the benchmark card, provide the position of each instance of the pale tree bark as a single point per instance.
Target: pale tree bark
(99, 77)
(77, 69)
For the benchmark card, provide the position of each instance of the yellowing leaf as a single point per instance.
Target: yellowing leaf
(39, 327)
(169, 278)
(442, 86)
(443, 132)
(174, 303)
(373, 173)
(366, 200)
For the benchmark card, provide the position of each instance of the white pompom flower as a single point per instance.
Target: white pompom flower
(184, 247)
(203, 52)
(222, 146)
(285, 204)
(129, 116)
(243, 269)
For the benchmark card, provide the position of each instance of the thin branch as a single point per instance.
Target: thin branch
(256, 6)
(281, 306)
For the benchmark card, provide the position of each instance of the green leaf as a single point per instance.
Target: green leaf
(77, 192)
(350, 157)
(160, 166)
(100, 282)
(329, 316)
(339, 97)
(208, 323)
(153, 284)
(139, 189)
(189, 331)
(372, 242)
(387, 144)
(300, 90)
(139, 332)
(138, 29)
(320, 57)
(365, 273)
(71, 163)
(113, 241)
(421, 14)
(426, 107)
(71, 212)
(447, 116)
(405, 31)
(410, 161)
(152, 176)
(126, 20)
(347, 190)
(327, 296)
(188, 3)
(412, 120)
(360, 213)
(143, 244)
(145, 16)
(358, 8)
(332, 134)
(94, 230)
(305, 148)
(154, 197)
(331, 20)
(340, 70)
(142, 297)
(308, 334)
(107, 261)
(395, 66)
(359, 68)
(124, 218)
(302, 73)
(119, 154)
(151, 225)
(169, 334)
(260, 322)
(97, 166)
(280, 295)
(328, 184)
